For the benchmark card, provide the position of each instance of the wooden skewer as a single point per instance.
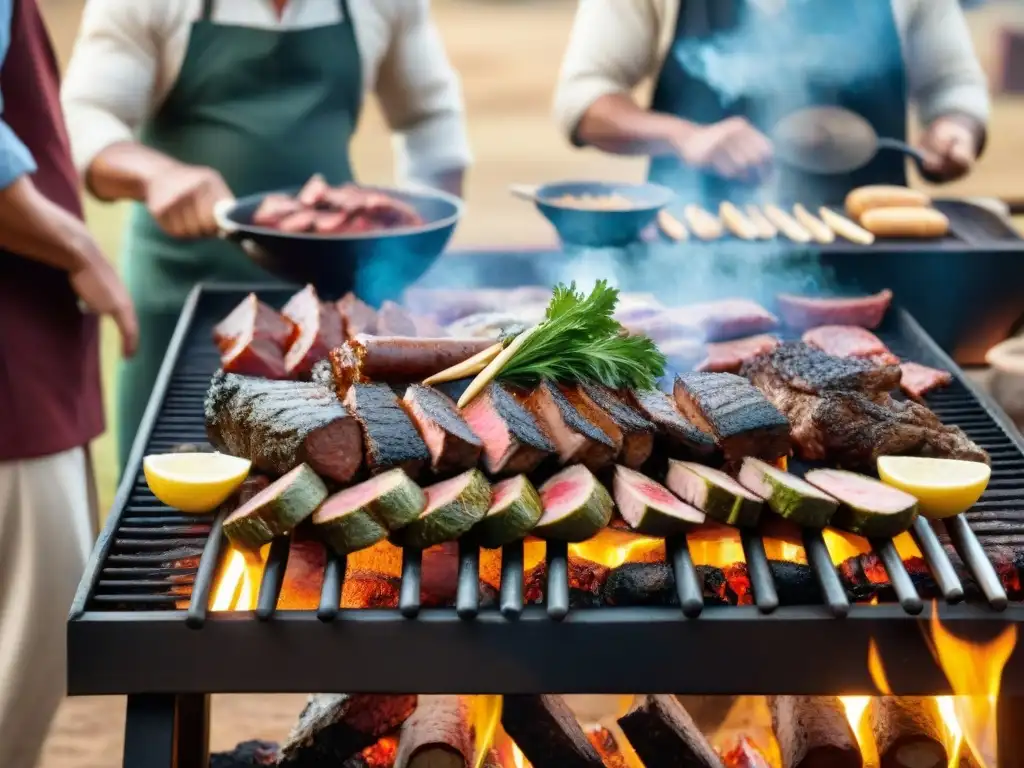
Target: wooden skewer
(486, 376)
(469, 367)
(736, 222)
(765, 229)
(672, 227)
(704, 225)
(819, 231)
(787, 225)
(845, 228)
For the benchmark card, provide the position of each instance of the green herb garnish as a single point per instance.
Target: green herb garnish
(579, 340)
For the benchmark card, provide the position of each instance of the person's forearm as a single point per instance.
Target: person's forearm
(447, 181)
(974, 125)
(123, 171)
(616, 123)
(33, 227)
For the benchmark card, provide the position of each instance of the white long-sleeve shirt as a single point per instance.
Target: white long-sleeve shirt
(129, 53)
(616, 44)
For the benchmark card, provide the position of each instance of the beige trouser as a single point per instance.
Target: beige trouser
(46, 530)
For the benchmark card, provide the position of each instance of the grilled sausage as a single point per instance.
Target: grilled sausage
(864, 199)
(906, 222)
(736, 222)
(845, 228)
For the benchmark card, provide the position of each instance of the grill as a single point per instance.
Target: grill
(140, 623)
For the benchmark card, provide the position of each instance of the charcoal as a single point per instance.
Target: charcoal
(246, 755)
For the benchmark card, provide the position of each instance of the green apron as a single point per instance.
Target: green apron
(267, 109)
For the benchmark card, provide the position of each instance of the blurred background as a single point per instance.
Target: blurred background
(507, 53)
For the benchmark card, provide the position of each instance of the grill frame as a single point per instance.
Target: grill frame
(543, 650)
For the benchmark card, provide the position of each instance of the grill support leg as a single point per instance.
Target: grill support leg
(167, 731)
(1010, 731)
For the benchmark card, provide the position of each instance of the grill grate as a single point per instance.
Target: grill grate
(154, 558)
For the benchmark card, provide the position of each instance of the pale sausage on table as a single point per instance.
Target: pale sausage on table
(787, 225)
(845, 228)
(703, 224)
(864, 199)
(736, 222)
(765, 229)
(905, 222)
(821, 233)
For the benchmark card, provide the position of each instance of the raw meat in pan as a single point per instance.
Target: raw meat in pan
(850, 341)
(273, 209)
(804, 312)
(729, 356)
(918, 380)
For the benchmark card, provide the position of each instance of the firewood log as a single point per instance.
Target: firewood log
(908, 732)
(546, 731)
(813, 732)
(665, 736)
(334, 727)
(439, 734)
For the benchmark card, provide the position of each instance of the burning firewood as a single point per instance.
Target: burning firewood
(437, 735)
(334, 727)
(380, 755)
(908, 732)
(546, 731)
(604, 742)
(813, 732)
(665, 736)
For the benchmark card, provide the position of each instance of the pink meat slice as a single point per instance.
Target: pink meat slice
(803, 312)
(850, 341)
(725, 319)
(729, 356)
(918, 380)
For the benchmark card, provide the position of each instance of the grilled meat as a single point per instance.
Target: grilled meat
(320, 330)
(392, 320)
(254, 319)
(808, 369)
(804, 312)
(251, 355)
(729, 407)
(390, 437)
(453, 446)
(359, 316)
(570, 424)
(398, 358)
(513, 443)
(918, 380)
(279, 425)
(637, 432)
(729, 356)
(850, 341)
(676, 437)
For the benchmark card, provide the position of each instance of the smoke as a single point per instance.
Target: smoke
(783, 58)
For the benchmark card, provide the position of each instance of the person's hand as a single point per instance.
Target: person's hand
(732, 148)
(950, 148)
(101, 292)
(182, 200)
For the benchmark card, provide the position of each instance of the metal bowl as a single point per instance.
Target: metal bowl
(601, 228)
(376, 265)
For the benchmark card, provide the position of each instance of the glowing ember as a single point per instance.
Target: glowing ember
(611, 548)
(974, 671)
(842, 546)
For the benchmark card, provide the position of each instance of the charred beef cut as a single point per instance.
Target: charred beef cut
(390, 437)
(320, 330)
(729, 407)
(808, 369)
(513, 443)
(255, 319)
(453, 446)
(677, 436)
(637, 432)
(571, 427)
(279, 425)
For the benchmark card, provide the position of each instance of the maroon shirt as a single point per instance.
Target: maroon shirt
(50, 397)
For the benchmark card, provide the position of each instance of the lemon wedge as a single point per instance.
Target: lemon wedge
(194, 482)
(944, 487)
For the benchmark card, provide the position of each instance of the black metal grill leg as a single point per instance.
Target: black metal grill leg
(193, 731)
(167, 731)
(1010, 731)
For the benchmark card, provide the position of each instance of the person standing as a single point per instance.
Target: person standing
(54, 282)
(177, 104)
(726, 71)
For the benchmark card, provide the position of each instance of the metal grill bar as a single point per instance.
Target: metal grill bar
(688, 584)
(557, 553)
(409, 594)
(938, 561)
(330, 593)
(970, 551)
(467, 598)
(898, 576)
(765, 595)
(511, 598)
(273, 578)
(821, 563)
(206, 573)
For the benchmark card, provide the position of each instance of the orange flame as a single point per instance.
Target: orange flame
(485, 714)
(842, 546)
(612, 547)
(856, 708)
(235, 589)
(974, 671)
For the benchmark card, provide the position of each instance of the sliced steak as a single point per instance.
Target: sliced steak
(390, 438)
(255, 320)
(320, 330)
(850, 341)
(513, 442)
(729, 407)
(809, 369)
(577, 438)
(279, 425)
(804, 312)
(677, 437)
(918, 380)
(453, 446)
(729, 356)
(637, 431)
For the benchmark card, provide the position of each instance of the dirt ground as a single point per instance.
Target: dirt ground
(508, 53)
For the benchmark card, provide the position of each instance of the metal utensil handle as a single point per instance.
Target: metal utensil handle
(895, 145)
(525, 192)
(226, 228)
